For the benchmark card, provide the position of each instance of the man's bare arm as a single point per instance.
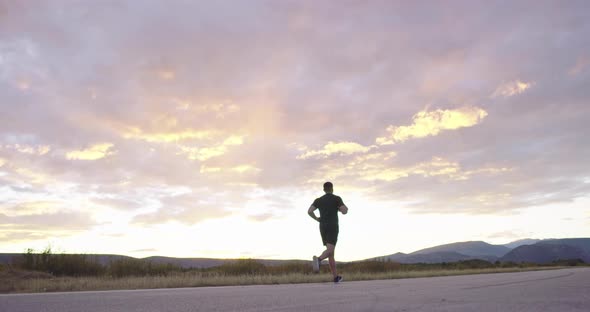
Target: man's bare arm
(311, 213)
(343, 209)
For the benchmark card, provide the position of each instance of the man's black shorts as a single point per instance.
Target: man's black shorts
(329, 233)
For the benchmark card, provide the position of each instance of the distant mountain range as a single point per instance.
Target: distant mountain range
(451, 253)
(526, 250)
(518, 243)
(472, 249)
(547, 251)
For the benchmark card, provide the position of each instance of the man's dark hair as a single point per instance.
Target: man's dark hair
(328, 186)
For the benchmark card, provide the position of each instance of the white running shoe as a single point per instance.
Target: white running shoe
(315, 264)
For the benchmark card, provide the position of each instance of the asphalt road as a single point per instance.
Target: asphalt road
(555, 290)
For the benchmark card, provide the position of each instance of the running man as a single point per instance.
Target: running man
(329, 205)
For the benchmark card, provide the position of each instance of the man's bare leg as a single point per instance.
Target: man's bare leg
(332, 262)
(329, 254)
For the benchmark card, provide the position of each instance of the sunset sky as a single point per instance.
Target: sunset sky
(207, 128)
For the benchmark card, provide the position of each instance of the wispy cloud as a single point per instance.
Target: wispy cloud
(14, 236)
(29, 149)
(145, 250)
(339, 148)
(65, 221)
(219, 108)
(94, 152)
(581, 64)
(189, 208)
(33, 207)
(512, 88)
(207, 152)
(29, 175)
(379, 167)
(430, 123)
(167, 75)
(165, 137)
(240, 169)
(118, 202)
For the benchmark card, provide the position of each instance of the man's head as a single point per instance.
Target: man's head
(328, 187)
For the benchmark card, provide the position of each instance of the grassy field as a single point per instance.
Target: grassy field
(31, 282)
(49, 272)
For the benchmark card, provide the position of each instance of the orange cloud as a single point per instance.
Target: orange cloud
(343, 148)
(219, 108)
(240, 169)
(33, 176)
(431, 123)
(166, 137)
(94, 152)
(372, 167)
(436, 167)
(28, 149)
(204, 153)
(488, 197)
(33, 207)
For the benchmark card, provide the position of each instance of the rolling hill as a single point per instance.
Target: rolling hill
(435, 257)
(472, 249)
(521, 242)
(547, 251)
(582, 243)
(451, 253)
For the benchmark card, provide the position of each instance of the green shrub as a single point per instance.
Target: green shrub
(135, 267)
(569, 262)
(59, 264)
(289, 267)
(371, 266)
(243, 267)
(75, 265)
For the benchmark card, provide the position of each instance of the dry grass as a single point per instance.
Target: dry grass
(16, 283)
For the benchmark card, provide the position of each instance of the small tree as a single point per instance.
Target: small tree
(28, 259)
(45, 260)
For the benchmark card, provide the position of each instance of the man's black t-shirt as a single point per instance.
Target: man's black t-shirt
(328, 206)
